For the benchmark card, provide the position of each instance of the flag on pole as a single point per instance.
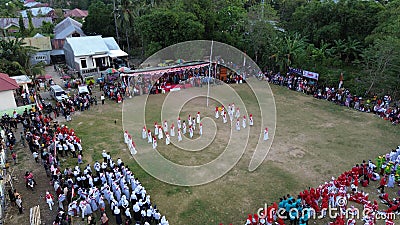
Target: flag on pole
(340, 80)
(73, 193)
(209, 71)
(38, 104)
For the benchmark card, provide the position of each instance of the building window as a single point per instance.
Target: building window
(83, 63)
(40, 57)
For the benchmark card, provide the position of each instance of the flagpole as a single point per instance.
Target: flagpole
(209, 72)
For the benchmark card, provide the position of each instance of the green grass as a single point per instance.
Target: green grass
(314, 141)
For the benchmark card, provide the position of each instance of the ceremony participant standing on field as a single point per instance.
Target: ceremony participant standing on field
(178, 123)
(266, 134)
(224, 118)
(222, 110)
(165, 126)
(382, 184)
(154, 142)
(244, 121)
(172, 130)
(237, 115)
(251, 120)
(198, 118)
(126, 137)
(149, 137)
(194, 124)
(238, 124)
(155, 128)
(167, 138)
(144, 132)
(184, 127)
(179, 135)
(191, 131)
(200, 129)
(160, 132)
(216, 113)
(230, 113)
(190, 120)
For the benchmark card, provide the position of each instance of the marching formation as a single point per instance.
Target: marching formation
(87, 191)
(169, 131)
(234, 114)
(190, 126)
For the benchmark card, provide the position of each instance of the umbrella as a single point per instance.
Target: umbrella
(111, 70)
(124, 69)
(45, 77)
(65, 77)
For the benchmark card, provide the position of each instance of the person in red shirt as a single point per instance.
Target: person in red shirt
(382, 184)
(14, 157)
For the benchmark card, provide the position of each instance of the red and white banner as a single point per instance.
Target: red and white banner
(311, 75)
(166, 70)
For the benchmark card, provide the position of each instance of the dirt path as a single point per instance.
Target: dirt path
(25, 162)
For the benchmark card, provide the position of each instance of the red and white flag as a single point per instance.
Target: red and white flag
(38, 104)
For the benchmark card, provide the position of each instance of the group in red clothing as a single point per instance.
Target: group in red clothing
(333, 198)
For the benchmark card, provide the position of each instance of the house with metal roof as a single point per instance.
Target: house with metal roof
(40, 11)
(66, 28)
(7, 87)
(76, 13)
(42, 46)
(10, 26)
(90, 54)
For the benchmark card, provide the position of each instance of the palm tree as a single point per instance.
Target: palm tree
(287, 49)
(15, 54)
(320, 54)
(351, 49)
(125, 18)
(115, 20)
(338, 48)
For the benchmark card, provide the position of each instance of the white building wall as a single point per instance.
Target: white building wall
(7, 100)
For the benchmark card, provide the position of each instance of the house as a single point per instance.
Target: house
(7, 87)
(40, 11)
(42, 45)
(10, 26)
(23, 81)
(116, 54)
(66, 28)
(34, 4)
(76, 13)
(91, 54)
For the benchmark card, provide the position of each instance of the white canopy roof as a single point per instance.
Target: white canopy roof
(117, 53)
(22, 79)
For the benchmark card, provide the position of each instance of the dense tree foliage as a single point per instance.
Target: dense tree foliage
(15, 58)
(357, 37)
(100, 20)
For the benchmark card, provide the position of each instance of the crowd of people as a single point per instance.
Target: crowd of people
(383, 106)
(155, 83)
(338, 194)
(103, 188)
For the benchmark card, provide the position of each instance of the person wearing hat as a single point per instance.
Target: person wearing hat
(49, 200)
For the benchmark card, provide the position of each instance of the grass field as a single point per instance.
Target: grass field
(314, 141)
